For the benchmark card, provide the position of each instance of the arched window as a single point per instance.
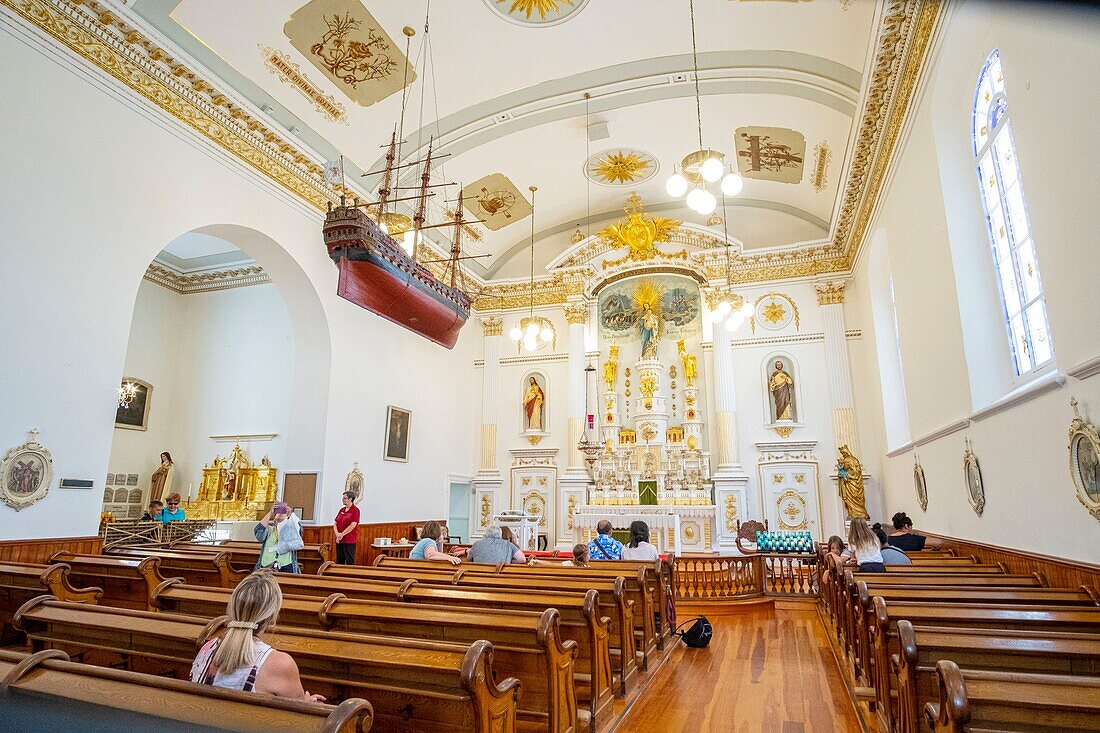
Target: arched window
(1010, 235)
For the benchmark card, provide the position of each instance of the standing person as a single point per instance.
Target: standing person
(639, 547)
(172, 512)
(905, 539)
(430, 546)
(162, 477)
(493, 548)
(280, 537)
(603, 546)
(239, 659)
(865, 547)
(347, 521)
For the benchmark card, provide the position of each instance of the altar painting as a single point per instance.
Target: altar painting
(628, 309)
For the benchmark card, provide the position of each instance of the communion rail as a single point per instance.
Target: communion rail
(767, 574)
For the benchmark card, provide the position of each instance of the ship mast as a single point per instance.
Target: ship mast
(387, 178)
(422, 205)
(456, 246)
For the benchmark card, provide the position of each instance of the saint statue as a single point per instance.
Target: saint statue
(162, 478)
(781, 385)
(850, 481)
(691, 366)
(651, 332)
(611, 369)
(533, 401)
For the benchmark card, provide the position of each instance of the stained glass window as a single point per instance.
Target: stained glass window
(1002, 191)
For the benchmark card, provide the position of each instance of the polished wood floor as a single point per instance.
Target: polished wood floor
(765, 671)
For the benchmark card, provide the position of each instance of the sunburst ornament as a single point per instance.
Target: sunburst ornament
(527, 7)
(620, 167)
(773, 312)
(536, 12)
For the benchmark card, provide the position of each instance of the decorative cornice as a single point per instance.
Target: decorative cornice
(576, 313)
(831, 293)
(492, 326)
(206, 282)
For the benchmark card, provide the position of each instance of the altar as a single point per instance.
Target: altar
(233, 488)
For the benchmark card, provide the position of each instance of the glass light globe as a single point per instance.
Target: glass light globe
(732, 184)
(747, 309)
(723, 308)
(716, 317)
(529, 342)
(695, 199)
(707, 202)
(546, 334)
(516, 333)
(711, 170)
(532, 330)
(735, 322)
(676, 186)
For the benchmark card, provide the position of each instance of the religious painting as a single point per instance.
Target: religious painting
(1084, 461)
(975, 489)
(25, 474)
(354, 482)
(345, 42)
(774, 312)
(135, 414)
(920, 484)
(496, 201)
(770, 153)
(397, 434)
(779, 380)
(650, 310)
(534, 403)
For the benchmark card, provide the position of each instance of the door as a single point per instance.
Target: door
(458, 520)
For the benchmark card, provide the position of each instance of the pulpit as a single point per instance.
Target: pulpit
(234, 488)
(525, 527)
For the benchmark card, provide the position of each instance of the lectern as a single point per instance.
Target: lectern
(525, 527)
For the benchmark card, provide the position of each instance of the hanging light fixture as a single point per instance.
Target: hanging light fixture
(729, 306)
(704, 165)
(126, 394)
(533, 332)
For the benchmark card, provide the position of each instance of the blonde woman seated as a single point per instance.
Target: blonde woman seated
(239, 659)
(430, 546)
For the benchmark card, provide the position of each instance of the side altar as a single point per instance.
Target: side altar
(234, 489)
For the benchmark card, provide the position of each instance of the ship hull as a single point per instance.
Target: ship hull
(374, 283)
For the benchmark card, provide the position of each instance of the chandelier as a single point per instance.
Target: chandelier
(727, 305)
(126, 394)
(533, 332)
(705, 165)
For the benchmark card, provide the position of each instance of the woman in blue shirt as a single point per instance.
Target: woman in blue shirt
(172, 512)
(428, 546)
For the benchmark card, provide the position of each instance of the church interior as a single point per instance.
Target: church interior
(714, 307)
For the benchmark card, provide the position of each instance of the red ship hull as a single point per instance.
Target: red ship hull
(371, 285)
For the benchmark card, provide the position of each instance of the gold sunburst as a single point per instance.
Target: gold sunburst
(620, 167)
(530, 6)
(774, 311)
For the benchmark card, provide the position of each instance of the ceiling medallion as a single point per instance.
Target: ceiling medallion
(539, 13)
(620, 167)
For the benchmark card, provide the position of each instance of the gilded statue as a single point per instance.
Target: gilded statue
(850, 482)
(611, 369)
(781, 385)
(691, 365)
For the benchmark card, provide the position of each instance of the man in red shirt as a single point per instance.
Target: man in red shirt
(347, 521)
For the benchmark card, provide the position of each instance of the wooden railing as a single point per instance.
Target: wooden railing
(41, 550)
(131, 533)
(703, 578)
(1059, 572)
(789, 575)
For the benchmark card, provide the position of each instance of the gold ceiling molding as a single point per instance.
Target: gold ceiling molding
(552, 290)
(238, 277)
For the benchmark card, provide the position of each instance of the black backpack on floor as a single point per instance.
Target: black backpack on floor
(698, 636)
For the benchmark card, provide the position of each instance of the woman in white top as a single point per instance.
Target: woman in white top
(639, 548)
(865, 547)
(239, 660)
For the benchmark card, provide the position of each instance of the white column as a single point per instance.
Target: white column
(573, 484)
(830, 296)
(488, 483)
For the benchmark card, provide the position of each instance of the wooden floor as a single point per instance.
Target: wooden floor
(766, 671)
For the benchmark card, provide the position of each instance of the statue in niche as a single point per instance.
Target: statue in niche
(691, 365)
(162, 478)
(534, 402)
(781, 387)
(850, 482)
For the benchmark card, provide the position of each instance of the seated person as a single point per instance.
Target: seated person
(239, 659)
(890, 555)
(172, 512)
(835, 555)
(865, 547)
(154, 509)
(603, 546)
(280, 536)
(639, 548)
(430, 546)
(579, 560)
(492, 548)
(904, 539)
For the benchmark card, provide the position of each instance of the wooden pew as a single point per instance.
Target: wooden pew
(1044, 652)
(45, 685)
(199, 568)
(19, 582)
(618, 628)
(126, 582)
(244, 555)
(528, 646)
(412, 685)
(1011, 701)
(884, 635)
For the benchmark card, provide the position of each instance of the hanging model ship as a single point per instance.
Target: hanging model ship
(378, 274)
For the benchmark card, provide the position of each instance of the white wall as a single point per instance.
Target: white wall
(101, 186)
(953, 340)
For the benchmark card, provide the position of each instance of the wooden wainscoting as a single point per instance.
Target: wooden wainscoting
(366, 533)
(41, 550)
(1059, 572)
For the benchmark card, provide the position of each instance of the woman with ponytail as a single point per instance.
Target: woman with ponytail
(905, 539)
(239, 660)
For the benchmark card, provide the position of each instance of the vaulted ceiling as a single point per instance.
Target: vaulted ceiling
(504, 93)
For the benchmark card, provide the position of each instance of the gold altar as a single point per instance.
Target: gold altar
(234, 488)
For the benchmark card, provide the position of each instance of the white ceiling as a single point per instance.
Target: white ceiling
(194, 245)
(509, 99)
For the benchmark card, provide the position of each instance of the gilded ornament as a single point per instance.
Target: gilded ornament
(731, 512)
(571, 510)
(1084, 460)
(784, 431)
(691, 367)
(486, 510)
(576, 313)
(822, 156)
(542, 7)
(620, 167)
(850, 483)
(830, 293)
(492, 325)
(578, 237)
(648, 386)
(638, 232)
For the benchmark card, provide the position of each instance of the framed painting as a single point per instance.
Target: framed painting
(25, 474)
(1084, 460)
(975, 488)
(398, 422)
(920, 484)
(135, 415)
